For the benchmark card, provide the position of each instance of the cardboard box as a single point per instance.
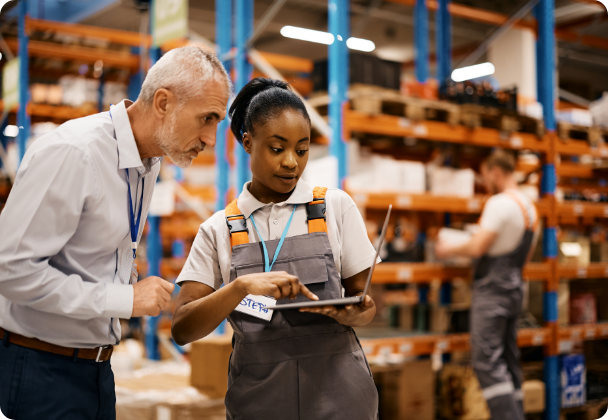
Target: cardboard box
(406, 318)
(209, 358)
(563, 303)
(574, 380)
(207, 410)
(461, 394)
(417, 391)
(440, 319)
(534, 396)
(583, 309)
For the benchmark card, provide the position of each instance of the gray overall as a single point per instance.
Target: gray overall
(497, 303)
(298, 365)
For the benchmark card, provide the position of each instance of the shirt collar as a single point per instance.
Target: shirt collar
(128, 154)
(247, 203)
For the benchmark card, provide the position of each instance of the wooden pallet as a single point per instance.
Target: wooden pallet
(373, 100)
(595, 136)
(593, 410)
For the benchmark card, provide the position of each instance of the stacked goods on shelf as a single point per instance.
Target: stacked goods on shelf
(365, 69)
(483, 94)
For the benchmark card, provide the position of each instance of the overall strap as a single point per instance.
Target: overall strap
(237, 225)
(315, 211)
(530, 219)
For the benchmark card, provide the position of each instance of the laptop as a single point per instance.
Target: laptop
(343, 301)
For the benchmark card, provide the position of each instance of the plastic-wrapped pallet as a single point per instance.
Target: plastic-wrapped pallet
(78, 90)
(452, 182)
(581, 117)
(599, 110)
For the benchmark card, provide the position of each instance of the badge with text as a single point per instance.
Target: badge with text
(256, 306)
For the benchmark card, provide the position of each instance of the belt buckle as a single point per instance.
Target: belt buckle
(101, 348)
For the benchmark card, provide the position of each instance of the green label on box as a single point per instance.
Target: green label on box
(170, 20)
(10, 84)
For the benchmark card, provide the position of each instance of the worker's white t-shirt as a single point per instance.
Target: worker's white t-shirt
(503, 216)
(210, 256)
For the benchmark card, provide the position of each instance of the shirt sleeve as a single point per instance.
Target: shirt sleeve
(203, 264)
(52, 190)
(357, 252)
(493, 216)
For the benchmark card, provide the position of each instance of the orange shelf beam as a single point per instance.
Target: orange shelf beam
(395, 273)
(117, 36)
(77, 53)
(391, 125)
(428, 344)
(592, 271)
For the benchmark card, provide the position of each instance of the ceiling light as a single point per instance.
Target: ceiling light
(326, 38)
(360, 44)
(11, 131)
(473, 72)
(307, 35)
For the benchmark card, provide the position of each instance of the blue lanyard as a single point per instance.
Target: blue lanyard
(133, 222)
(267, 266)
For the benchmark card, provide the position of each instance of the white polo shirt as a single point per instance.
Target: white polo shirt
(503, 216)
(210, 257)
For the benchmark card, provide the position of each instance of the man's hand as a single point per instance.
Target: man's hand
(151, 296)
(351, 315)
(277, 284)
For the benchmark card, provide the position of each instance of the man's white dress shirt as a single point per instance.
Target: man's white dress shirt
(65, 244)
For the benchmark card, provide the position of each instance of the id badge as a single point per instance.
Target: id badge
(256, 306)
(134, 274)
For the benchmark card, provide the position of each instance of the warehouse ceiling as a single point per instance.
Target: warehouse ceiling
(390, 26)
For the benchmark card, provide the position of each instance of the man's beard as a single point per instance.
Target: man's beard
(168, 141)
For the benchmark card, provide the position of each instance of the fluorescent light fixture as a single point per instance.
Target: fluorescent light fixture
(307, 35)
(11, 131)
(360, 44)
(326, 38)
(473, 72)
(571, 249)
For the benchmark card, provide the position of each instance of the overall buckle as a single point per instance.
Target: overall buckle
(316, 211)
(236, 225)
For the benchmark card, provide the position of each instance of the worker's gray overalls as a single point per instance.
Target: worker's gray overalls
(497, 303)
(298, 365)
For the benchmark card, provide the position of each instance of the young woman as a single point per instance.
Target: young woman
(285, 240)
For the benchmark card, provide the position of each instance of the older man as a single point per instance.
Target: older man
(70, 231)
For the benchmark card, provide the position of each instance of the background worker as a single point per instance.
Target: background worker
(503, 245)
(70, 231)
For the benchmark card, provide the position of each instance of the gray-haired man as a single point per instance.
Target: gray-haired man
(70, 230)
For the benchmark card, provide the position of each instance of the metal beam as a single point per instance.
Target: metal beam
(223, 39)
(365, 17)
(338, 19)
(443, 40)
(573, 98)
(23, 119)
(421, 40)
(244, 26)
(498, 33)
(262, 23)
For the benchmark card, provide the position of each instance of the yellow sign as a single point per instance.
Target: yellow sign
(170, 20)
(10, 84)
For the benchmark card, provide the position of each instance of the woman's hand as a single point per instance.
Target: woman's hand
(351, 315)
(277, 284)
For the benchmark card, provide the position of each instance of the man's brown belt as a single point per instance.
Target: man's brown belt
(99, 354)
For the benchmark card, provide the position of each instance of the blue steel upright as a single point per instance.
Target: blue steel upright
(338, 19)
(223, 39)
(443, 40)
(244, 29)
(421, 40)
(23, 119)
(545, 13)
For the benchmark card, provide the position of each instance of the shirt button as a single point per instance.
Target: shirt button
(275, 221)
